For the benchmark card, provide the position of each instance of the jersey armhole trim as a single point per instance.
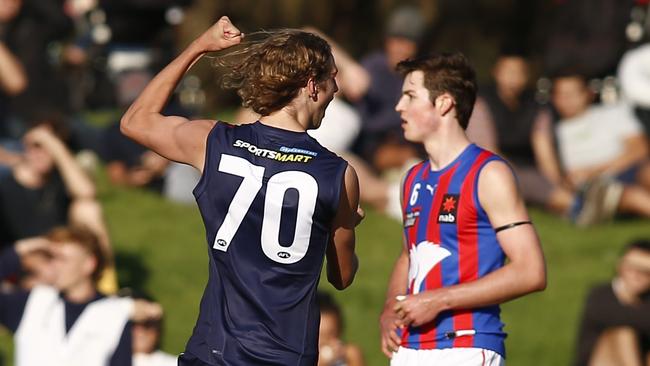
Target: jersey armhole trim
(477, 201)
(202, 183)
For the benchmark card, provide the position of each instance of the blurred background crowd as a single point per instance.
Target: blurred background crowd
(564, 96)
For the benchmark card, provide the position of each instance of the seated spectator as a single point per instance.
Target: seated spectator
(146, 344)
(332, 351)
(381, 141)
(47, 188)
(508, 120)
(70, 323)
(603, 147)
(13, 81)
(615, 326)
(130, 164)
(32, 31)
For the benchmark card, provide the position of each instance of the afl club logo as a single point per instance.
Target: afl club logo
(448, 208)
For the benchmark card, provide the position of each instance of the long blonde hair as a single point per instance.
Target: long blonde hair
(269, 72)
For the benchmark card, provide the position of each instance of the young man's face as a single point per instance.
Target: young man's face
(326, 90)
(72, 265)
(571, 96)
(511, 75)
(328, 331)
(418, 113)
(399, 49)
(9, 9)
(38, 158)
(145, 337)
(634, 271)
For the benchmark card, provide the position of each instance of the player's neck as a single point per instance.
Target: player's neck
(286, 119)
(444, 146)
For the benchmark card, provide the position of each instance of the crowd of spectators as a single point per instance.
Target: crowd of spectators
(577, 141)
(57, 267)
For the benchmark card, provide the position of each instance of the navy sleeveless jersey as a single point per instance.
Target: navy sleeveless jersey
(451, 241)
(268, 197)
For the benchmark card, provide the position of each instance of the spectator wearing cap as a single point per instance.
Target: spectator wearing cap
(381, 142)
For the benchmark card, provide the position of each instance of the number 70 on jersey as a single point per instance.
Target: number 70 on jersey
(277, 186)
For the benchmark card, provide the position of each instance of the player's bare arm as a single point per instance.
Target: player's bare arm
(525, 271)
(389, 321)
(173, 137)
(342, 262)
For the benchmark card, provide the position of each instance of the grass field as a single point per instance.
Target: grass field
(161, 248)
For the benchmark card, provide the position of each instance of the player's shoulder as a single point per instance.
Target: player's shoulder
(495, 176)
(321, 150)
(496, 171)
(414, 169)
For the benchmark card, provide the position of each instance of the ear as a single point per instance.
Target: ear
(89, 266)
(312, 89)
(444, 103)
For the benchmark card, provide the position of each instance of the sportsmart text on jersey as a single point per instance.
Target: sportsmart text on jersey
(271, 154)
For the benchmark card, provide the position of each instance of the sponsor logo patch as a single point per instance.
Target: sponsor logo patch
(448, 209)
(284, 155)
(411, 218)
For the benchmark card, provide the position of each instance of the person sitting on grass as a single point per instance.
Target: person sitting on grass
(332, 350)
(69, 323)
(615, 326)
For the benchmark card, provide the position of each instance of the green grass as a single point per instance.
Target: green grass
(161, 248)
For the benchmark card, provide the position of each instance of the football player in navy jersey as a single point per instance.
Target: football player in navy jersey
(463, 217)
(274, 202)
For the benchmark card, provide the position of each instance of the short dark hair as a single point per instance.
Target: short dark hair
(328, 305)
(570, 73)
(638, 244)
(447, 73)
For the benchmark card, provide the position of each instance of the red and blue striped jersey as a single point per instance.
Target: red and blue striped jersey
(451, 241)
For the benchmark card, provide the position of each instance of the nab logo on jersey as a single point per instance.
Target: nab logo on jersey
(448, 208)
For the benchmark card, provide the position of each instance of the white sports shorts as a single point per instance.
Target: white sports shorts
(446, 357)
